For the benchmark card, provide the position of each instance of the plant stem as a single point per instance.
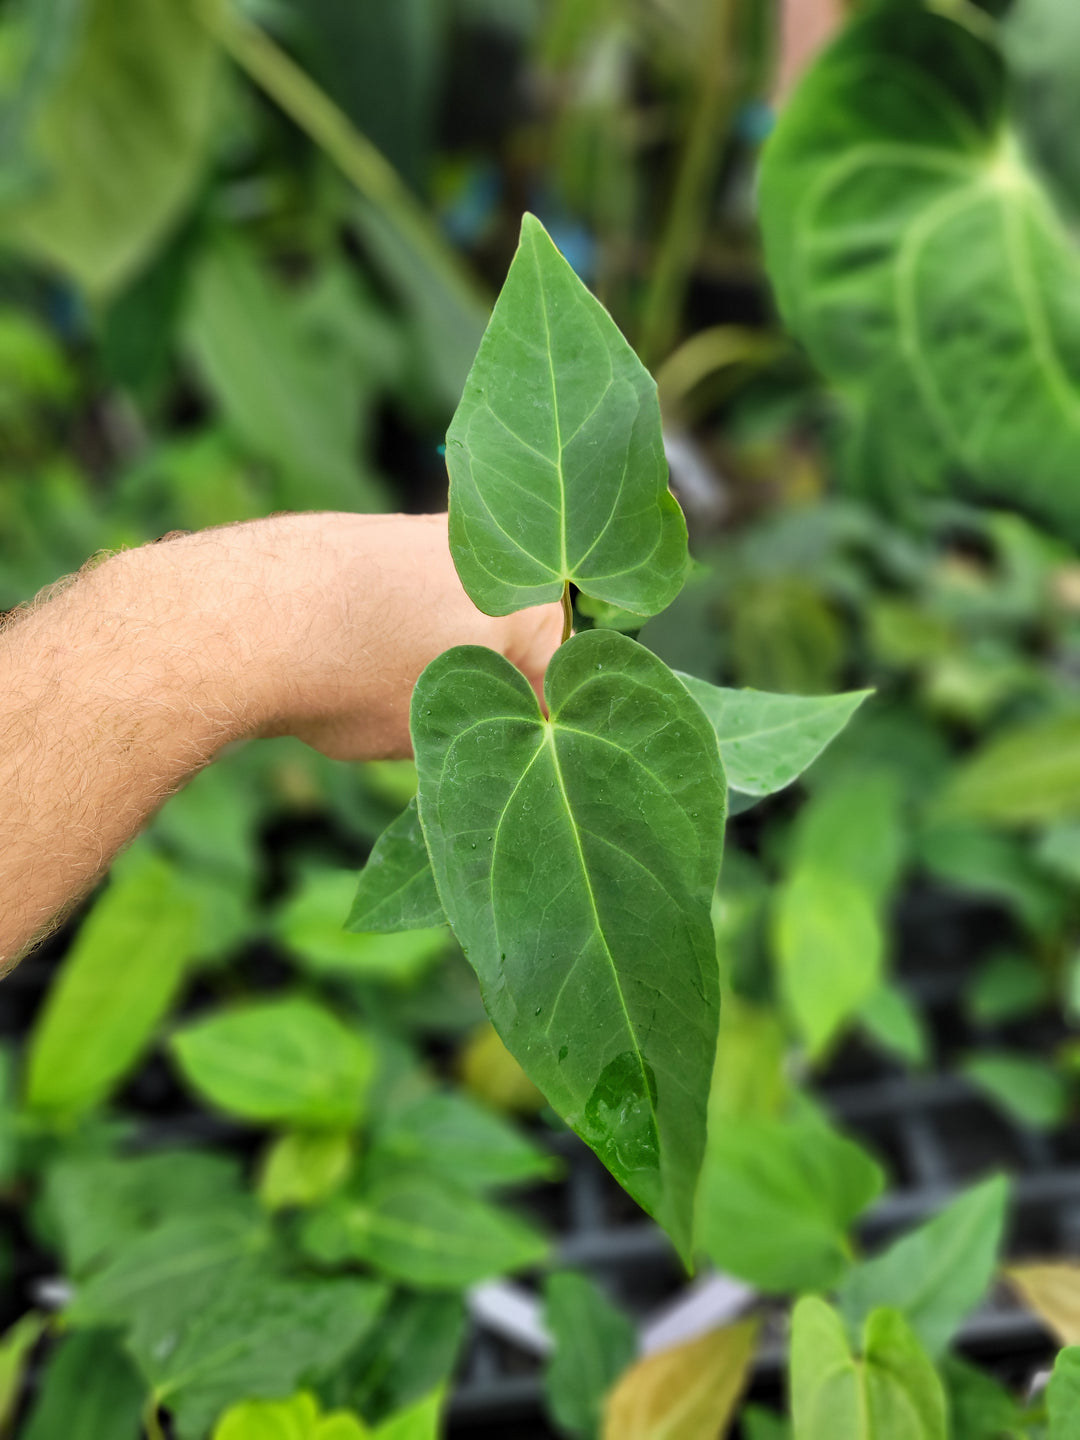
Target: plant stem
(151, 1419)
(352, 152)
(567, 613)
(698, 166)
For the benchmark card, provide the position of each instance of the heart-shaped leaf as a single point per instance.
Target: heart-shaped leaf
(921, 261)
(576, 856)
(556, 458)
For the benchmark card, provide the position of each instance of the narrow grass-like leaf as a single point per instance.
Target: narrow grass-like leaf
(397, 889)
(767, 741)
(556, 460)
(576, 856)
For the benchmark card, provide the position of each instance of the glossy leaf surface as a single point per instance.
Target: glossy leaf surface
(594, 1344)
(397, 889)
(921, 261)
(767, 741)
(117, 983)
(576, 857)
(556, 460)
(938, 1274)
(424, 1232)
(686, 1392)
(279, 1060)
(890, 1392)
(119, 139)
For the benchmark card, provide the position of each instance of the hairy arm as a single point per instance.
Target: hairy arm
(119, 687)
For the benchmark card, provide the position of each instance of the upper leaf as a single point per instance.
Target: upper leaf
(556, 458)
(920, 260)
(576, 857)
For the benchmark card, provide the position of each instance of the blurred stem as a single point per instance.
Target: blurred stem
(702, 153)
(567, 614)
(331, 129)
(152, 1420)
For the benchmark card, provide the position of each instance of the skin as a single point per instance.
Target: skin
(120, 684)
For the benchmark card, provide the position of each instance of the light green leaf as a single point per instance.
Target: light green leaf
(854, 827)
(423, 1232)
(1027, 1089)
(1063, 1396)
(285, 1061)
(303, 1167)
(119, 139)
(777, 1199)
(891, 1393)
(936, 1275)
(298, 1418)
(576, 857)
(420, 1421)
(830, 949)
(767, 741)
(117, 983)
(90, 1391)
(449, 1135)
(312, 923)
(920, 260)
(290, 399)
(594, 1343)
(15, 1347)
(397, 889)
(556, 460)
(1023, 776)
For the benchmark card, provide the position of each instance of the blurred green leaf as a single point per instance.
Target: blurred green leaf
(785, 637)
(854, 827)
(1063, 1395)
(397, 888)
(1023, 776)
(303, 1167)
(119, 139)
(424, 1232)
(412, 1350)
(451, 1136)
(594, 1344)
(980, 1408)
(767, 741)
(891, 1392)
(1041, 39)
(976, 860)
(289, 400)
(89, 1391)
(116, 985)
(15, 1346)
(893, 1020)
(1006, 987)
(419, 1421)
(830, 950)
(1026, 1089)
(936, 1275)
(100, 1204)
(288, 1061)
(777, 1198)
(312, 925)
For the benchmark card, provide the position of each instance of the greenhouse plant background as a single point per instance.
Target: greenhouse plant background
(264, 1176)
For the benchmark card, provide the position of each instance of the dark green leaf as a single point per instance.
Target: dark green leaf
(100, 1205)
(980, 1408)
(891, 1393)
(413, 1349)
(452, 1136)
(312, 926)
(556, 460)
(397, 889)
(118, 981)
(920, 260)
(938, 1274)
(90, 1391)
(777, 1199)
(767, 741)
(1063, 1395)
(577, 857)
(594, 1344)
(1041, 40)
(119, 139)
(1005, 988)
(289, 1061)
(424, 1232)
